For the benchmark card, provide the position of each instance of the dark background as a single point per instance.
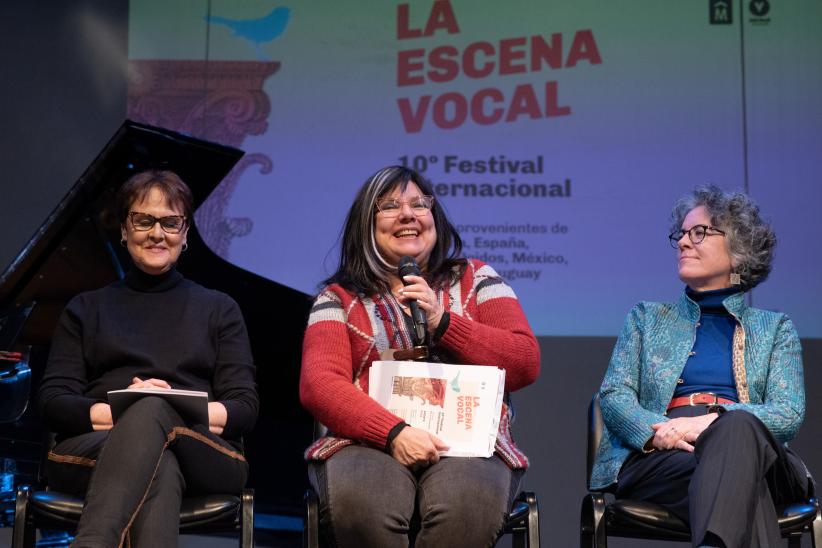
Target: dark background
(60, 102)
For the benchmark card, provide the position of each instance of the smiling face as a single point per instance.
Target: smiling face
(153, 251)
(706, 265)
(405, 233)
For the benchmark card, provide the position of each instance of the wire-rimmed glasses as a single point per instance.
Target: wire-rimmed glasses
(391, 207)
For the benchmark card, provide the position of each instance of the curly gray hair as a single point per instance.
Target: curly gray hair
(750, 240)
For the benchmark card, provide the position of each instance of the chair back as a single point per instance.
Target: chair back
(15, 385)
(49, 441)
(595, 429)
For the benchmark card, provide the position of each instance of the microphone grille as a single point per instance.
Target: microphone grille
(408, 266)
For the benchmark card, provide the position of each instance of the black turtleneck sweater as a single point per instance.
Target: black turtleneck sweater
(165, 327)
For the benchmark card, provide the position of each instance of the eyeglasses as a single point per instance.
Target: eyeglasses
(391, 207)
(696, 234)
(171, 224)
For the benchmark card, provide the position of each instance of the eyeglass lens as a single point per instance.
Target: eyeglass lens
(420, 205)
(143, 221)
(696, 234)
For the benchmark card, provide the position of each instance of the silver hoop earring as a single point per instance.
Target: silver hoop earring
(185, 246)
(123, 242)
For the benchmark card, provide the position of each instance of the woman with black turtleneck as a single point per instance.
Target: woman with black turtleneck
(153, 329)
(702, 394)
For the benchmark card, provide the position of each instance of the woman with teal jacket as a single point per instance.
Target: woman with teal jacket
(702, 394)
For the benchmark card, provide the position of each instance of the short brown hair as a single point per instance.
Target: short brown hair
(139, 185)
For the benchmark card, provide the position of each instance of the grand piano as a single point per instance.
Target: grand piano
(77, 249)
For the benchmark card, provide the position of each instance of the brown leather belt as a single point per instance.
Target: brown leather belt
(698, 398)
(412, 354)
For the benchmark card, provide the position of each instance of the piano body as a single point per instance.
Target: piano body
(77, 249)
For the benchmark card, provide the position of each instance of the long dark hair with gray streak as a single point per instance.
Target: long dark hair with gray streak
(750, 240)
(362, 268)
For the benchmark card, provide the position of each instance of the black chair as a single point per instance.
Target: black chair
(522, 521)
(601, 517)
(15, 384)
(46, 509)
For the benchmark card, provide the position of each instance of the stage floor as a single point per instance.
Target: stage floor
(263, 539)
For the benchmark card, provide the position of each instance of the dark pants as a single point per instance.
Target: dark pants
(135, 475)
(728, 486)
(368, 499)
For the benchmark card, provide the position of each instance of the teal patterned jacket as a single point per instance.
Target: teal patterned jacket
(650, 355)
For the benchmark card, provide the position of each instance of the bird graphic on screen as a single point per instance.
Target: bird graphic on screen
(257, 31)
(455, 384)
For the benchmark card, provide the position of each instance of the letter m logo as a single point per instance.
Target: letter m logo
(720, 12)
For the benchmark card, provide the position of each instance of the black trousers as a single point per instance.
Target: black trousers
(135, 475)
(728, 486)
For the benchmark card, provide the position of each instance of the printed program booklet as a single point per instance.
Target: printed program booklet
(192, 405)
(460, 404)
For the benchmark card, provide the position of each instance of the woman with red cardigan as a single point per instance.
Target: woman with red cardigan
(380, 481)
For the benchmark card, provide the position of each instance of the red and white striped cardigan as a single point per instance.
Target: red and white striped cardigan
(347, 332)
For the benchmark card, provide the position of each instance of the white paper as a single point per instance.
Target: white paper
(460, 404)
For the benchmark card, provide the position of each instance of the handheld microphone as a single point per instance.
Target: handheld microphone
(409, 266)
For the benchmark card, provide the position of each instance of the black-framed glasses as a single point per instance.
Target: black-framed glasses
(171, 224)
(696, 234)
(420, 205)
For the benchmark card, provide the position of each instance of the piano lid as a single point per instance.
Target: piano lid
(81, 232)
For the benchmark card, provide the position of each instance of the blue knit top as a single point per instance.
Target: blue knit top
(710, 366)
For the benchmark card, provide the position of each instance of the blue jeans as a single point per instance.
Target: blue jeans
(134, 475)
(367, 498)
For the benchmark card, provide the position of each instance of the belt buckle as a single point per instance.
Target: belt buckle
(691, 398)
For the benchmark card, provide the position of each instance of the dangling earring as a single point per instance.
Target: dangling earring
(185, 246)
(736, 279)
(123, 242)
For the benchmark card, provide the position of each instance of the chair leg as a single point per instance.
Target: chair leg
(517, 522)
(592, 533)
(816, 529)
(532, 526)
(24, 532)
(586, 523)
(519, 537)
(247, 519)
(311, 520)
(522, 522)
